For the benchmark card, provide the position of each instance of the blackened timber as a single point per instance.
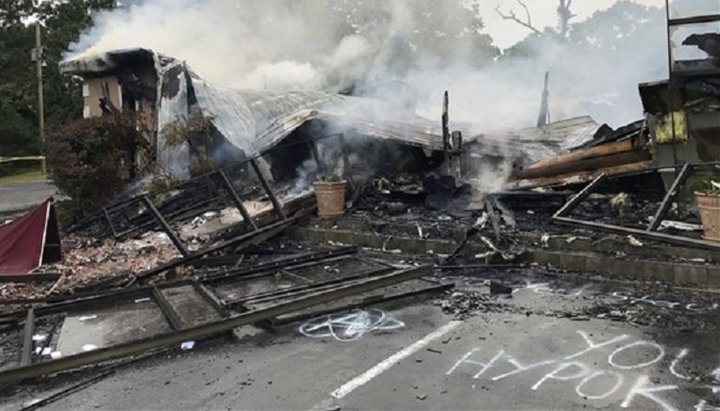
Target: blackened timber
(166, 228)
(248, 238)
(579, 197)
(167, 310)
(93, 299)
(284, 263)
(276, 204)
(50, 335)
(19, 374)
(316, 156)
(649, 235)
(237, 200)
(29, 278)
(584, 165)
(109, 221)
(347, 166)
(211, 298)
(26, 358)
(303, 289)
(670, 196)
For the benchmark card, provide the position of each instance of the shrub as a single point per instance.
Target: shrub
(92, 160)
(197, 131)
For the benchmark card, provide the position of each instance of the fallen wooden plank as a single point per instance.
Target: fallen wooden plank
(612, 160)
(29, 278)
(580, 177)
(584, 154)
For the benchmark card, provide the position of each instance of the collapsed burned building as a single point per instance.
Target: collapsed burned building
(165, 92)
(558, 212)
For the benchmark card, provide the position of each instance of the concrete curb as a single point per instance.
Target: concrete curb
(701, 276)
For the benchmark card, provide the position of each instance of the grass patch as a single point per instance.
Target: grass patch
(24, 176)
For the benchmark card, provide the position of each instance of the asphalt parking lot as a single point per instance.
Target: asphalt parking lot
(411, 355)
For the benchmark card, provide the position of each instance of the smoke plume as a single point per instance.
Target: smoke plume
(307, 44)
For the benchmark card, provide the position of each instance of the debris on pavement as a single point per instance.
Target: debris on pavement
(514, 225)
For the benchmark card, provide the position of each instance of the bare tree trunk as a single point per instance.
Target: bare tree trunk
(564, 16)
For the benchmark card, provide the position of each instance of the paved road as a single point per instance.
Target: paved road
(26, 195)
(401, 357)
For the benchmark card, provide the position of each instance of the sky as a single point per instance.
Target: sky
(543, 12)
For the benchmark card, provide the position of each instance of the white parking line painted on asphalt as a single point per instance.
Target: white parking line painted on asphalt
(389, 362)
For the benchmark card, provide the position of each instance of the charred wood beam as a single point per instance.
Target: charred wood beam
(579, 197)
(561, 216)
(244, 240)
(611, 160)
(583, 154)
(210, 297)
(284, 263)
(304, 289)
(207, 330)
(217, 261)
(237, 200)
(347, 167)
(167, 310)
(145, 221)
(48, 339)
(670, 197)
(109, 222)
(165, 227)
(26, 357)
(624, 170)
(649, 235)
(316, 156)
(276, 204)
(278, 321)
(29, 278)
(93, 300)
(8, 324)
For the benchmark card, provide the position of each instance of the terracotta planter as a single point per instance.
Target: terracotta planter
(709, 207)
(330, 198)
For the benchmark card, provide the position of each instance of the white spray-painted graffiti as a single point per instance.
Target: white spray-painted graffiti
(351, 326)
(647, 299)
(626, 296)
(627, 361)
(622, 296)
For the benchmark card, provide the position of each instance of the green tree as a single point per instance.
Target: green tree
(421, 32)
(61, 22)
(92, 160)
(612, 32)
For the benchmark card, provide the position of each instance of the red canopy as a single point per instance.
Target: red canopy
(30, 241)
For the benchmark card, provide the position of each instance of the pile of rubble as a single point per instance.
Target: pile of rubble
(465, 303)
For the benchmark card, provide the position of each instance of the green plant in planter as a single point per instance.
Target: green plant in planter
(713, 188)
(706, 182)
(331, 177)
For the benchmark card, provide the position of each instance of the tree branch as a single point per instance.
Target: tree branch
(511, 16)
(564, 16)
(527, 12)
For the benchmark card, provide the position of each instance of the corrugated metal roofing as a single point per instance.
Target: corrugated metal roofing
(254, 121)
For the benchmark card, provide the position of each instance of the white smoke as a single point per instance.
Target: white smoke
(299, 44)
